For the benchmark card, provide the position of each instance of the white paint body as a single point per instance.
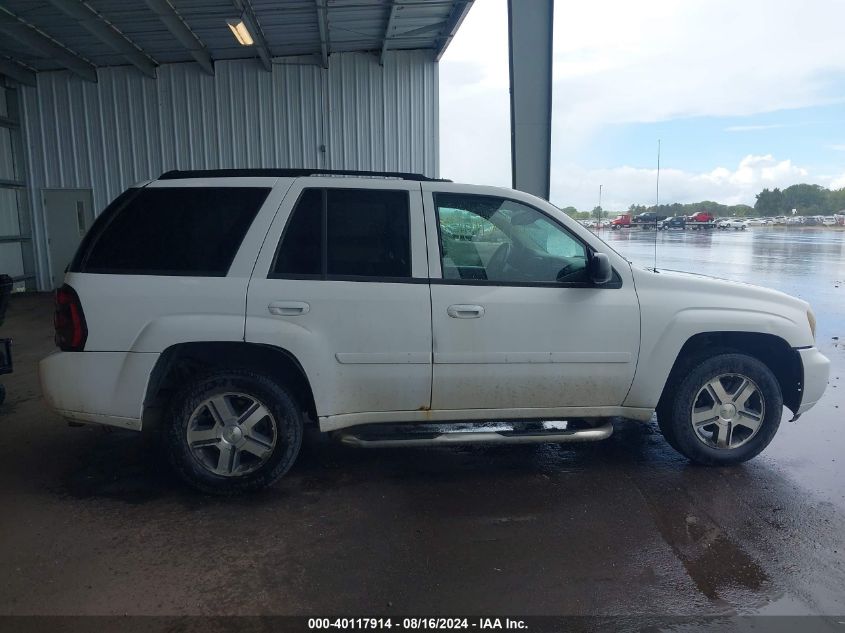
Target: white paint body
(378, 352)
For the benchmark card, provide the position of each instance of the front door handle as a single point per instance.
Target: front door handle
(461, 311)
(288, 308)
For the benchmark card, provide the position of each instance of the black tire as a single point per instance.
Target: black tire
(664, 417)
(675, 411)
(278, 400)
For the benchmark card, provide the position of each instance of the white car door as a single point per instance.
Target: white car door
(517, 324)
(341, 283)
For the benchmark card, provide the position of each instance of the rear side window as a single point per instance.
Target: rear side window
(342, 233)
(190, 231)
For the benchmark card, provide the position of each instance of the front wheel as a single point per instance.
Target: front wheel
(233, 431)
(725, 411)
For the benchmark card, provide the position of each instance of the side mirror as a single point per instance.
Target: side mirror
(600, 270)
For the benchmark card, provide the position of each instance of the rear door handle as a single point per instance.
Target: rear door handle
(288, 308)
(461, 311)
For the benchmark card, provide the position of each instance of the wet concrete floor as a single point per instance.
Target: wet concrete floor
(92, 521)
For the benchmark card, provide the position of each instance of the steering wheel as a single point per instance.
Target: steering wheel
(569, 273)
(496, 265)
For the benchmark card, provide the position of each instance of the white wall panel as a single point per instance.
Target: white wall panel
(127, 127)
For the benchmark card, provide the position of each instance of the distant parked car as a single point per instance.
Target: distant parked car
(811, 220)
(649, 217)
(829, 220)
(754, 222)
(701, 216)
(677, 222)
(736, 224)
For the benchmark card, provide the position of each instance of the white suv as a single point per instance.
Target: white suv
(232, 308)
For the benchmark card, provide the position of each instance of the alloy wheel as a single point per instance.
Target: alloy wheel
(728, 411)
(232, 434)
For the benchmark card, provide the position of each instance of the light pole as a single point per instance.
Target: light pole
(598, 210)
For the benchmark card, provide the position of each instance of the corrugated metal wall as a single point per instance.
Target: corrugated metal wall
(127, 128)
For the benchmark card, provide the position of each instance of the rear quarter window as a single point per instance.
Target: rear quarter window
(188, 231)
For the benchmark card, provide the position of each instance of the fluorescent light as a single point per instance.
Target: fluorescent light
(239, 30)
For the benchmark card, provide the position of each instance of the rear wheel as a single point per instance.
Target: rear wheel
(233, 431)
(726, 410)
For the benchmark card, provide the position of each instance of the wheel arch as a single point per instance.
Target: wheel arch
(185, 361)
(773, 351)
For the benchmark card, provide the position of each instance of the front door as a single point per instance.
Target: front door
(69, 214)
(517, 324)
(342, 284)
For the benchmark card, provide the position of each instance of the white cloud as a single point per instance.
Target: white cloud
(837, 147)
(754, 128)
(619, 62)
(838, 183)
(623, 186)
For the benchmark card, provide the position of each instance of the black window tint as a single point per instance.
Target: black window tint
(368, 233)
(300, 252)
(193, 231)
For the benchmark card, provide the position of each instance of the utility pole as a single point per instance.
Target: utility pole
(598, 211)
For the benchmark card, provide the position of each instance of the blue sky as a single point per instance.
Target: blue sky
(809, 136)
(743, 95)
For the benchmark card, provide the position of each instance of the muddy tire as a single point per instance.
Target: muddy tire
(725, 410)
(233, 431)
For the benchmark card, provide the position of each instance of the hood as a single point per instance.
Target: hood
(719, 304)
(715, 286)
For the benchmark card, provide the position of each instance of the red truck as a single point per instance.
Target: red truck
(647, 220)
(701, 216)
(621, 221)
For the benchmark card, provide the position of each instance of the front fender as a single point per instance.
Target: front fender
(659, 352)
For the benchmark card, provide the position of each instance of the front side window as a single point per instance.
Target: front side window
(190, 231)
(342, 233)
(484, 238)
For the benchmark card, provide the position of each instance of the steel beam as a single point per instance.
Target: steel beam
(530, 26)
(453, 23)
(323, 24)
(107, 33)
(16, 71)
(177, 27)
(248, 16)
(39, 41)
(394, 5)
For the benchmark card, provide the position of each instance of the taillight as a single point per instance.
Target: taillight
(69, 321)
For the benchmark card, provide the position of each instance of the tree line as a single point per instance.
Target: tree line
(805, 199)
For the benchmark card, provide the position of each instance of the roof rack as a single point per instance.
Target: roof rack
(290, 173)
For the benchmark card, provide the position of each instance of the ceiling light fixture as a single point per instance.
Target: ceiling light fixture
(239, 30)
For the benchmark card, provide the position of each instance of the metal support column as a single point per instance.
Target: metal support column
(530, 25)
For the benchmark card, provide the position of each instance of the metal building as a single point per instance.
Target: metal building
(96, 95)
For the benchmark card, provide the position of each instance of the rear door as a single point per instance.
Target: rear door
(342, 284)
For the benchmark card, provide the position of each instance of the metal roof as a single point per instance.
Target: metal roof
(82, 35)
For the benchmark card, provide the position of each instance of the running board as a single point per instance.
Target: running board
(553, 436)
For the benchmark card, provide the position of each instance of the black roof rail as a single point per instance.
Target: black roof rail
(290, 173)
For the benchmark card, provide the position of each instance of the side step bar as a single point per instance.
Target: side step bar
(481, 437)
